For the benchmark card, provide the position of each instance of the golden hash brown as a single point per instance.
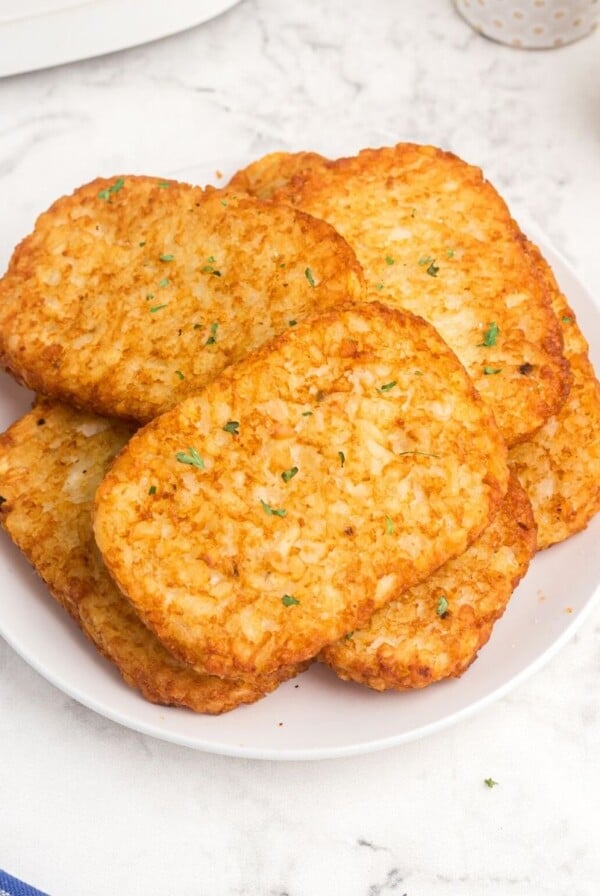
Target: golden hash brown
(264, 177)
(301, 490)
(51, 462)
(132, 293)
(560, 465)
(435, 238)
(411, 642)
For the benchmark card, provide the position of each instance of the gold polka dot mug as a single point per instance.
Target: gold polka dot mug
(532, 24)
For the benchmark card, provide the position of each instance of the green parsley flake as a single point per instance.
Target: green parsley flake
(224, 203)
(289, 474)
(449, 253)
(420, 453)
(233, 427)
(389, 260)
(490, 336)
(442, 606)
(309, 276)
(425, 259)
(152, 490)
(197, 326)
(272, 511)
(342, 458)
(149, 296)
(114, 188)
(292, 323)
(489, 782)
(143, 243)
(288, 600)
(307, 413)
(387, 386)
(167, 257)
(211, 259)
(213, 334)
(156, 308)
(163, 184)
(433, 269)
(193, 458)
(179, 374)
(349, 636)
(164, 282)
(389, 526)
(490, 371)
(567, 319)
(379, 286)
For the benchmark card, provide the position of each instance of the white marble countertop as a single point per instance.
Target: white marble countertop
(90, 807)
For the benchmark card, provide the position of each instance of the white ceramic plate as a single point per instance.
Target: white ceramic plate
(36, 34)
(316, 715)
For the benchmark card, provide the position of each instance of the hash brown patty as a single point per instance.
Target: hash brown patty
(435, 630)
(560, 465)
(434, 237)
(51, 462)
(134, 292)
(303, 489)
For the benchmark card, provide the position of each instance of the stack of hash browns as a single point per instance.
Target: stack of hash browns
(327, 412)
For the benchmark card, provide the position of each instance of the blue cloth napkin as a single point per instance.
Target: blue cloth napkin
(10, 886)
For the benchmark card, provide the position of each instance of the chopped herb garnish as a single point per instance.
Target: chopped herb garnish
(567, 319)
(114, 188)
(224, 203)
(192, 458)
(489, 782)
(292, 323)
(389, 260)
(282, 265)
(289, 474)
(342, 458)
(167, 257)
(309, 276)
(389, 526)
(272, 511)
(490, 336)
(433, 269)
(421, 453)
(213, 334)
(149, 296)
(490, 371)
(143, 243)
(442, 606)
(164, 282)
(307, 413)
(156, 308)
(387, 386)
(449, 253)
(197, 326)
(152, 490)
(379, 286)
(179, 374)
(233, 427)
(211, 259)
(349, 636)
(425, 259)
(288, 600)
(163, 184)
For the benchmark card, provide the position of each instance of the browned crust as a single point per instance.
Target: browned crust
(207, 567)
(444, 204)
(560, 465)
(39, 465)
(408, 645)
(110, 304)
